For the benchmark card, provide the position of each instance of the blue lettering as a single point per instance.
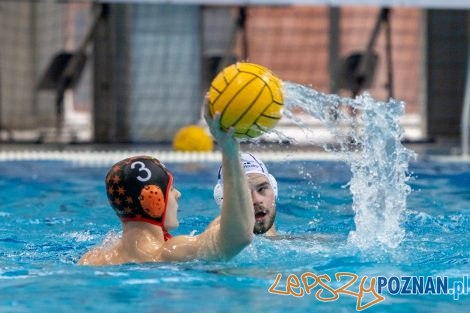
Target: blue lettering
(392, 290)
(430, 288)
(458, 288)
(442, 286)
(405, 291)
(465, 283)
(381, 282)
(418, 285)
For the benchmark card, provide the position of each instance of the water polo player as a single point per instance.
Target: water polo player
(141, 192)
(263, 189)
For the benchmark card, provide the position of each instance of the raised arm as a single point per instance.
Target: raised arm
(237, 219)
(235, 230)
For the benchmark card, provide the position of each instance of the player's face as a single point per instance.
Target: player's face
(171, 218)
(264, 202)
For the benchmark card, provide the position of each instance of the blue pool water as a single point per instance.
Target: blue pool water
(52, 212)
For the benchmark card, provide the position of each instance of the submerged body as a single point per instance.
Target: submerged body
(143, 242)
(141, 192)
(437, 243)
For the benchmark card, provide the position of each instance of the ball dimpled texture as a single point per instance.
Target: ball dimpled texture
(248, 97)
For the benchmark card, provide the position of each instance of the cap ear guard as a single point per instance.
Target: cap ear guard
(152, 200)
(273, 183)
(218, 194)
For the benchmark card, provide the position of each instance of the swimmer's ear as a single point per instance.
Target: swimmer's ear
(152, 200)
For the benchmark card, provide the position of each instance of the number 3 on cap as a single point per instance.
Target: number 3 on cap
(142, 168)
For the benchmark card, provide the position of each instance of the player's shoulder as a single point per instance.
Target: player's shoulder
(94, 257)
(180, 239)
(215, 222)
(180, 248)
(104, 255)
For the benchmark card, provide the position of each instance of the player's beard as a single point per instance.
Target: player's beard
(265, 223)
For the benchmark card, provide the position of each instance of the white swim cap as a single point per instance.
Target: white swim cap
(250, 165)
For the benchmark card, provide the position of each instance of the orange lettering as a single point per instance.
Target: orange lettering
(272, 290)
(293, 282)
(363, 290)
(296, 284)
(305, 277)
(326, 287)
(343, 289)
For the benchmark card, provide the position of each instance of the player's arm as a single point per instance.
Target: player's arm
(234, 231)
(215, 222)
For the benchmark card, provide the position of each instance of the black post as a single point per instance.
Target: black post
(388, 53)
(241, 24)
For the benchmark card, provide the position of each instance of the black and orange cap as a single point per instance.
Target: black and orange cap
(138, 189)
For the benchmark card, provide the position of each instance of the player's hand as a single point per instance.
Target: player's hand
(225, 139)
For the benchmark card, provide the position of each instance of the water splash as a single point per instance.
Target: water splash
(369, 141)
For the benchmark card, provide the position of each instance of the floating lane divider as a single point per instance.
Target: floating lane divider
(105, 158)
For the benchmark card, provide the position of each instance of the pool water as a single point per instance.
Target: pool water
(51, 212)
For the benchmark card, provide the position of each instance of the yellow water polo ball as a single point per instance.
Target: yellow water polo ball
(192, 138)
(249, 98)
